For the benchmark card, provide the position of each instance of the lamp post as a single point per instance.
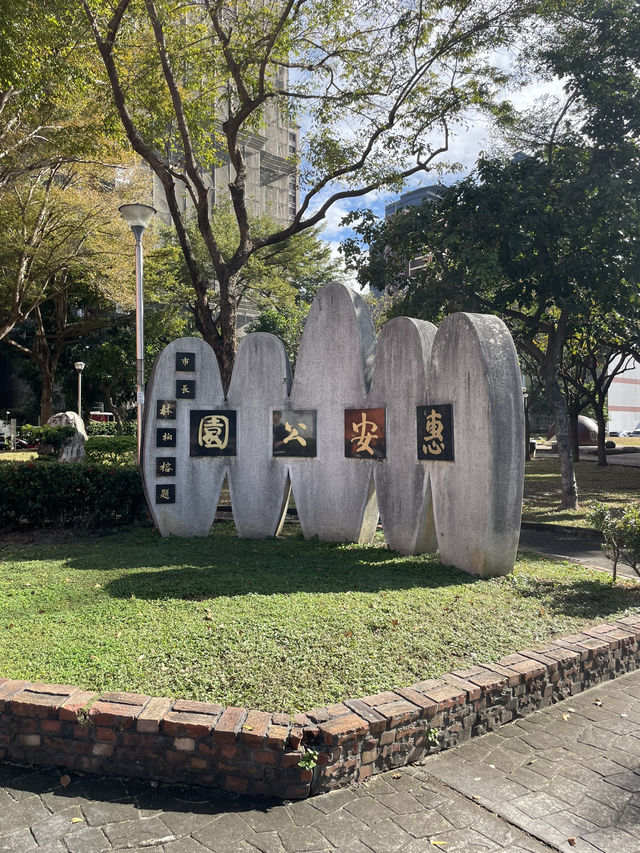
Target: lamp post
(138, 216)
(79, 366)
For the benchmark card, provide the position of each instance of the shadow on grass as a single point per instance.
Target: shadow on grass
(150, 567)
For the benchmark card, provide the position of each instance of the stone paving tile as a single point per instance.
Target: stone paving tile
(340, 828)
(20, 841)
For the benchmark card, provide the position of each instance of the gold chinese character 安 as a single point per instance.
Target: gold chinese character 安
(164, 494)
(166, 467)
(166, 409)
(433, 439)
(213, 432)
(364, 434)
(294, 435)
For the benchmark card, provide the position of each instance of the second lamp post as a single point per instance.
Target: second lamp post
(138, 216)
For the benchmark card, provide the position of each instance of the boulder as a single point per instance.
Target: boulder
(73, 449)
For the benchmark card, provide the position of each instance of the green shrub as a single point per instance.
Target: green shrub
(620, 528)
(114, 450)
(53, 436)
(111, 428)
(63, 493)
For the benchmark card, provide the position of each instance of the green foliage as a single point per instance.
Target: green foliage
(54, 436)
(113, 450)
(63, 493)
(111, 428)
(309, 759)
(620, 528)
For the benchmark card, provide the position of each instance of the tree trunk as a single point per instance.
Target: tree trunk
(559, 408)
(574, 434)
(602, 430)
(527, 432)
(46, 397)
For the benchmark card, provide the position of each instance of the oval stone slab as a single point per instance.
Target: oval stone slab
(182, 489)
(258, 481)
(402, 480)
(478, 496)
(334, 495)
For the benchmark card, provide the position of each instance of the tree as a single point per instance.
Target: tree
(380, 84)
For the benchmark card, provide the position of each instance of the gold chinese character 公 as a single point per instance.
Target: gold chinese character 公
(167, 436)
(433, 440)
(166, 467)
(185, 390)
(364, 434)
(166, 409)
(164, 494)
(185, 360)
(213, 432)
(294, 435)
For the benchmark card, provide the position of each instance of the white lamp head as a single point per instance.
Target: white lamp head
(139, 215)
(79, 366)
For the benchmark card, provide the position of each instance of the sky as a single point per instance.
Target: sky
(465, 145)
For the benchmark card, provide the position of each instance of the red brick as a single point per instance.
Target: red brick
(27, 704)
(540, 657)
(627, 638)
(291, 758)
(265, 756)
(103, 749)
(106, 733)
(198, 763)
(446, 696)
(53, 727)
(113, 713)
(387, 737)
(377, 722)
(77, 702)
(489, 680)
(125, 698)
(595, 645)
(229, 724)
(472, 690)
(302, 720)
(399, 712)
(191, 707)
(630, 620)
(296, 736)
(254, 728)
(529, 668)
(427, 706)
(337, 710)
(343, 729)
(563, 655)
(277, 737)
(9, 689)
(154, 711)
(194, 725)
(380, 698)
(281, 719)
(236, 785)
(177, 758)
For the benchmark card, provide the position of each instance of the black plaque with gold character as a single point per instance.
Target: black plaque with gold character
(186, 361)
(212, 433)
(435, 432)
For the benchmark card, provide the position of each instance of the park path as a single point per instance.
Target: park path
(563, 779)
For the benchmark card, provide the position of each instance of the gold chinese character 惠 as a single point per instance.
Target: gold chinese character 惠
(433, 440)
(364, 434)
(213, 432)
(294, 435)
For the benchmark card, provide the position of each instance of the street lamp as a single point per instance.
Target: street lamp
(138, 216)
(79, 366)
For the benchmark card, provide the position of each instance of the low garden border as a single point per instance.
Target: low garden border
(263, 754)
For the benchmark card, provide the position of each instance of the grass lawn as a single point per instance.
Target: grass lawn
(279, 624)
(615, 485)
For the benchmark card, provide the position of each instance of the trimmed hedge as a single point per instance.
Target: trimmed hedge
(64, 493)
(111, 450)
(111, 428)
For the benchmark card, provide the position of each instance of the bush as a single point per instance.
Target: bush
(63, 493)
(621, 531)
(113, 450)
(111, 428)
(54, 436)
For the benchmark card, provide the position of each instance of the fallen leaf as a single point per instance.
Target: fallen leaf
(624, 715)
(248, 728)
(77, 820)
(438, 843)
(396, 775)
(65, 780)
(565, 716)
(598, 702)
(572, 841)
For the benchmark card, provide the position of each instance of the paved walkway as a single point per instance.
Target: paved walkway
(564, 779)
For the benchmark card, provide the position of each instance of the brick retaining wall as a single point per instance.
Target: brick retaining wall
(258, 753)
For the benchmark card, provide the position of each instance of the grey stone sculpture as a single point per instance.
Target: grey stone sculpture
(73, 448)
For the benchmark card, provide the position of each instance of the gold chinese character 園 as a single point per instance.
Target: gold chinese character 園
(166, 409)
(433, 440)
(213, 432)
(166, 467)
(364, 434)
(294, 435)
(164, 494)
